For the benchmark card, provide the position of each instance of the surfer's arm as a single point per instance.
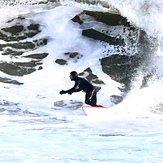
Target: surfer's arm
(72, 90)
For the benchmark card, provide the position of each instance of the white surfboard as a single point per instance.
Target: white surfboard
(95, 111)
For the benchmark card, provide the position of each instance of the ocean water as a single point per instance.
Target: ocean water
(116, 45)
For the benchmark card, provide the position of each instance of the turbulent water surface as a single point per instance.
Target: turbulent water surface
(116, 45)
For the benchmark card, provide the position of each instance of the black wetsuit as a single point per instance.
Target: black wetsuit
(82, 84)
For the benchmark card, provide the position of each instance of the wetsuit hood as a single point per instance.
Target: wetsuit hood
(74, 75)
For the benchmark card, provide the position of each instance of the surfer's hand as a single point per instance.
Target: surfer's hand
(69, 92)
(62, 92)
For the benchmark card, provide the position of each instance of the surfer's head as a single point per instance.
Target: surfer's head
(73, 75)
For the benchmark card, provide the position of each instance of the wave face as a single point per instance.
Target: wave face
(115, 45)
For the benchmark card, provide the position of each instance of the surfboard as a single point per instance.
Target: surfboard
(95, 110)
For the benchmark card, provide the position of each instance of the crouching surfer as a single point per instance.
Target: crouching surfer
(82, 84)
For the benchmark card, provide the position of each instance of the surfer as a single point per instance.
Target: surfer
(82, 84)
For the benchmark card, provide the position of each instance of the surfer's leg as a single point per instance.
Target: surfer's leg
(90, 98)
(87, 98)
(93, 98)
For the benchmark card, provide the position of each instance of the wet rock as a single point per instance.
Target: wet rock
(116, 99)
(69, 56)
(61, 61)
(77, 19)
(18, 68)
(106, 18)
(14, 29)
(112, 31)
(9, 81)
(37, 56)
(16, 46)
(68, 104)
(102, 37)
(11, 52)
(109, 18)
(72, 55)
(120, 68)
(19, 32)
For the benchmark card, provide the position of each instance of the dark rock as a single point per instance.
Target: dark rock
(37, 56)
(120, 68)
(77, 19)
(68, 104)
(18, 68)
(72, 55)
(102, 37)
(19, 32)
(116, 99)
(61, 61)
(9, 81)
(108, 18)
(14, 29)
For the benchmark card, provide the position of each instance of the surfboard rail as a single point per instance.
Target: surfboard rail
(94, 110)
